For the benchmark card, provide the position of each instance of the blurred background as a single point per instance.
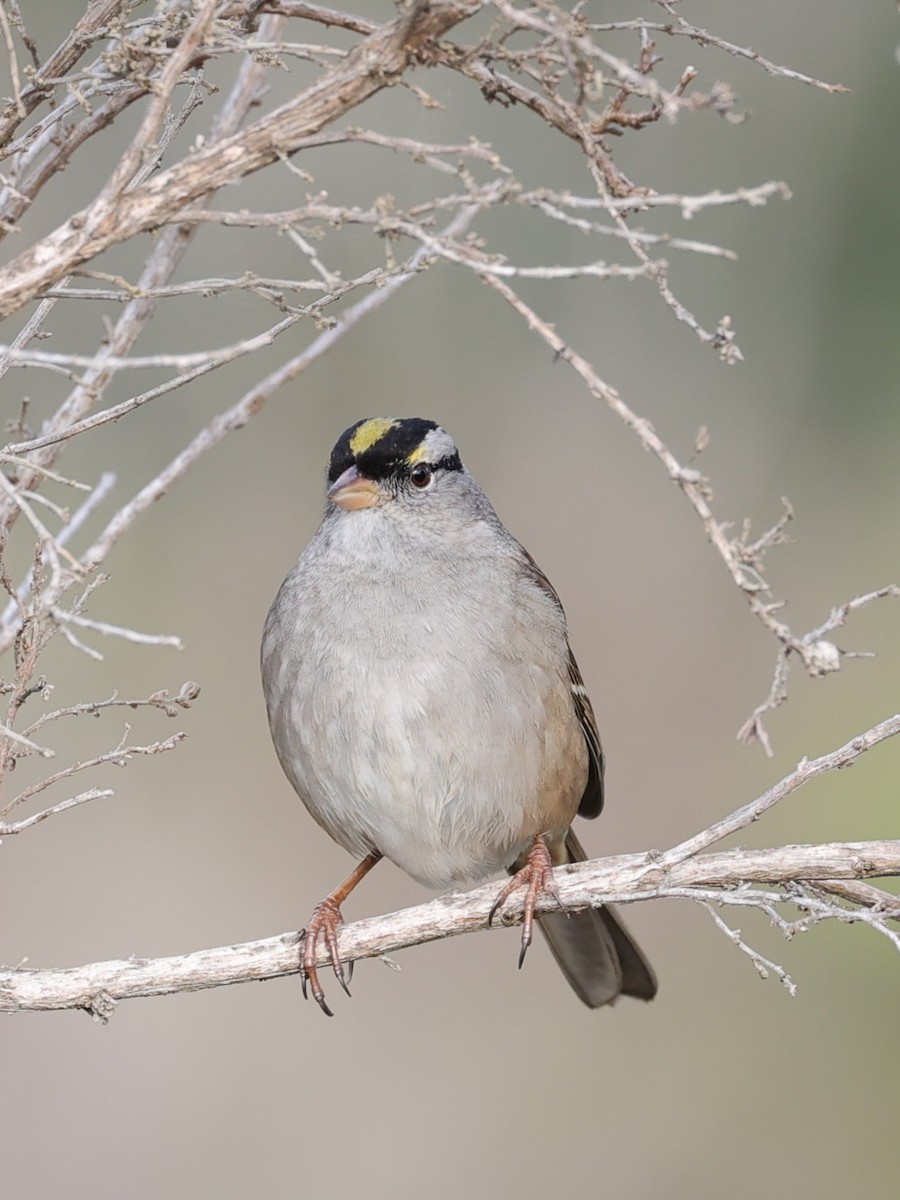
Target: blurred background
(461, 1075)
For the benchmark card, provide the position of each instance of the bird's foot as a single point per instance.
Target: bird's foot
(535, 878)
(324, 923)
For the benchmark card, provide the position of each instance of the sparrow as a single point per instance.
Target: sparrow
(426, 706)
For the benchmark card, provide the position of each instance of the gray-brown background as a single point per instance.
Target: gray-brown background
(460, 1075)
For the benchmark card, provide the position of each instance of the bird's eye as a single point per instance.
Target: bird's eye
(421, 476)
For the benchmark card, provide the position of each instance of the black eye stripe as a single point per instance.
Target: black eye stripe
(450, 462)
(374, 465)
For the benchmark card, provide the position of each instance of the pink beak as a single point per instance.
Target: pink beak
(351, 491)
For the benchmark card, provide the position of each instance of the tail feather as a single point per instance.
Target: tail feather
(595, 952)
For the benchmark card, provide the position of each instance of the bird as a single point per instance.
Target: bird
(426, 706)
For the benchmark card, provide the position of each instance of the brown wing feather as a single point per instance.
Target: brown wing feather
(592, 800)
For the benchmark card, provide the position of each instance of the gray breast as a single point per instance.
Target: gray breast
(409, 707)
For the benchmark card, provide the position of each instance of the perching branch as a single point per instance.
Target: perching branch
(817, 883)
(719, 879)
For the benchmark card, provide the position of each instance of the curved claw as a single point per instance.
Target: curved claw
(325, 922)
(536, 878)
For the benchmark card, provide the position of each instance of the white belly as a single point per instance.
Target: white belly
(414, 736)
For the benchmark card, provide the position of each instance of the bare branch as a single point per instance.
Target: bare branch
(107, 630)
(168, 252)
(252, 402)
(127, 169)
(689, 205)
(97, 987)
(170, 705)
(805, 770)
(819, 656)
(6, 732)
(117, 758)
(316, 12)
(741, 560)
(114, 217)
(9, 828)
(685, 28)
(763, 965)
(804, 875)
(98, 15)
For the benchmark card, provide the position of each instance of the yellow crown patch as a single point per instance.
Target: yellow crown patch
(369, 433)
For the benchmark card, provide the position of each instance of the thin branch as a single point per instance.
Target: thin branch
(33, 747)
(27, 333)
(13, 59)
(117, 758)
(107, 630)
(701, 36)
(48, 541)
(763, 965)
(130, 163)
(97, 16)
(805, 770)
(865, 894)
(168, 252)
(316, 12)
(10, 621)
(170, 705)
(114, 218)
(13, 827)
(819, 657)
(181, 362)
(97, 987)
(252, 402)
